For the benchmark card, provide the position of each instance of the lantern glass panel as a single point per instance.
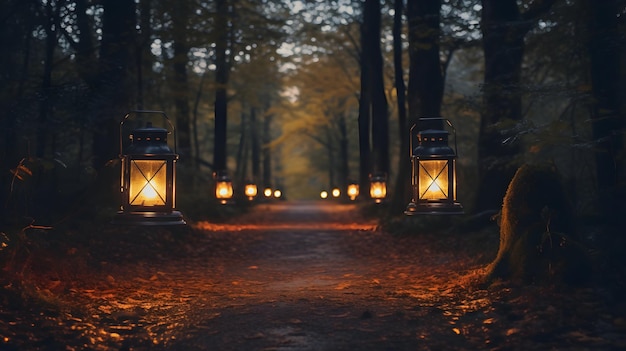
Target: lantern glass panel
(433, 179)
(148, 183)
(378, 190)
(251, 190)
(353, 191)
(223, 190)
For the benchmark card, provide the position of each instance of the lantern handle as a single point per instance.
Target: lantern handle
(456, 150)
(169, 122)
(411, 141)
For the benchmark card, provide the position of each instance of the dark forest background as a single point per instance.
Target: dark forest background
(307, 95)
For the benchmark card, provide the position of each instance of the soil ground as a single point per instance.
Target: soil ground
(294, 276)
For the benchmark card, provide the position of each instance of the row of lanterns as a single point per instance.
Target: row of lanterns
(378, 189)
(224, 189)
(148, 173)
(352, 191)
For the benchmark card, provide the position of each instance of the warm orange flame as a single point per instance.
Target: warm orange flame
(223, 190)
(433, 180)
(353, 191)
(147, 183)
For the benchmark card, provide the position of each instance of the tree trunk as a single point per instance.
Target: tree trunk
(364, 118)
(194, 122)
(43, 130)
(343, 154)
(118, 29)
(267, 152)
(426, 85)
(85, 49)
(608, 123)
(180, 84)
(331, 158)
(379, 110)
(221, 82)
(537, 239)
(256, 146)
(403, 180)
(143, 49)
(241, 160)
(503, 30)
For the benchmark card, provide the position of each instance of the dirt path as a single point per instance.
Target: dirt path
(308, 276)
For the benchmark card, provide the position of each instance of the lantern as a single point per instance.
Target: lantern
(378, 187)
(148, 176)
(268, 192)
(433, 175)
(336, 192)
(278, 193)
(353, 191)
(223, 186)
(324, 194)
(250, 190)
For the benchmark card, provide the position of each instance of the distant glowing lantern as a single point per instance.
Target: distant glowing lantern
(378, 187)
(336, 192)
(433, 175)
(324, 194)
(353, 191)
(250, 190)
(278, 193)
(268, 192)
(223, 186)
(147, 182)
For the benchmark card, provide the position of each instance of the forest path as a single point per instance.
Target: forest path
(307, 276)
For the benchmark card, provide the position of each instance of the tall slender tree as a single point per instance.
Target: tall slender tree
(373, 106)
(402, 186)
(607, 109)
(222, 68)
(504, 28)
(365, 101)
(180, 81)
(114, 83)
(425, 90)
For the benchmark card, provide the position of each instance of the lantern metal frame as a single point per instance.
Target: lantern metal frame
(223, 181)
(378, 178)
(433, 147)
(148, 148)
(352, 191)
(251, 190)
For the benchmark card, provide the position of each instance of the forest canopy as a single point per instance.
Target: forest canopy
(282, 92)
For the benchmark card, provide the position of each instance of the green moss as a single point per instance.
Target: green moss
(537, 221)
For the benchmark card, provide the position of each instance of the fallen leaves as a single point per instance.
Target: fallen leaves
(279, 285)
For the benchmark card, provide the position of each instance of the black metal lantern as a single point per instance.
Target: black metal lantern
(250, 190)
(378, 187)
(148, 176)
(433, 175)
(223, 186)
(353, 191)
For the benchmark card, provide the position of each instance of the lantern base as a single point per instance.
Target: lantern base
(434, 208)
(149, 218)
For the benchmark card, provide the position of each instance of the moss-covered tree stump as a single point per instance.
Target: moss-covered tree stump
(537, 237)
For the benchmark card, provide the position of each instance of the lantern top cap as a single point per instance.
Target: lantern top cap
(378, 177)
(149, 134)
(221, 176)
(150, 128)
(433, 132)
